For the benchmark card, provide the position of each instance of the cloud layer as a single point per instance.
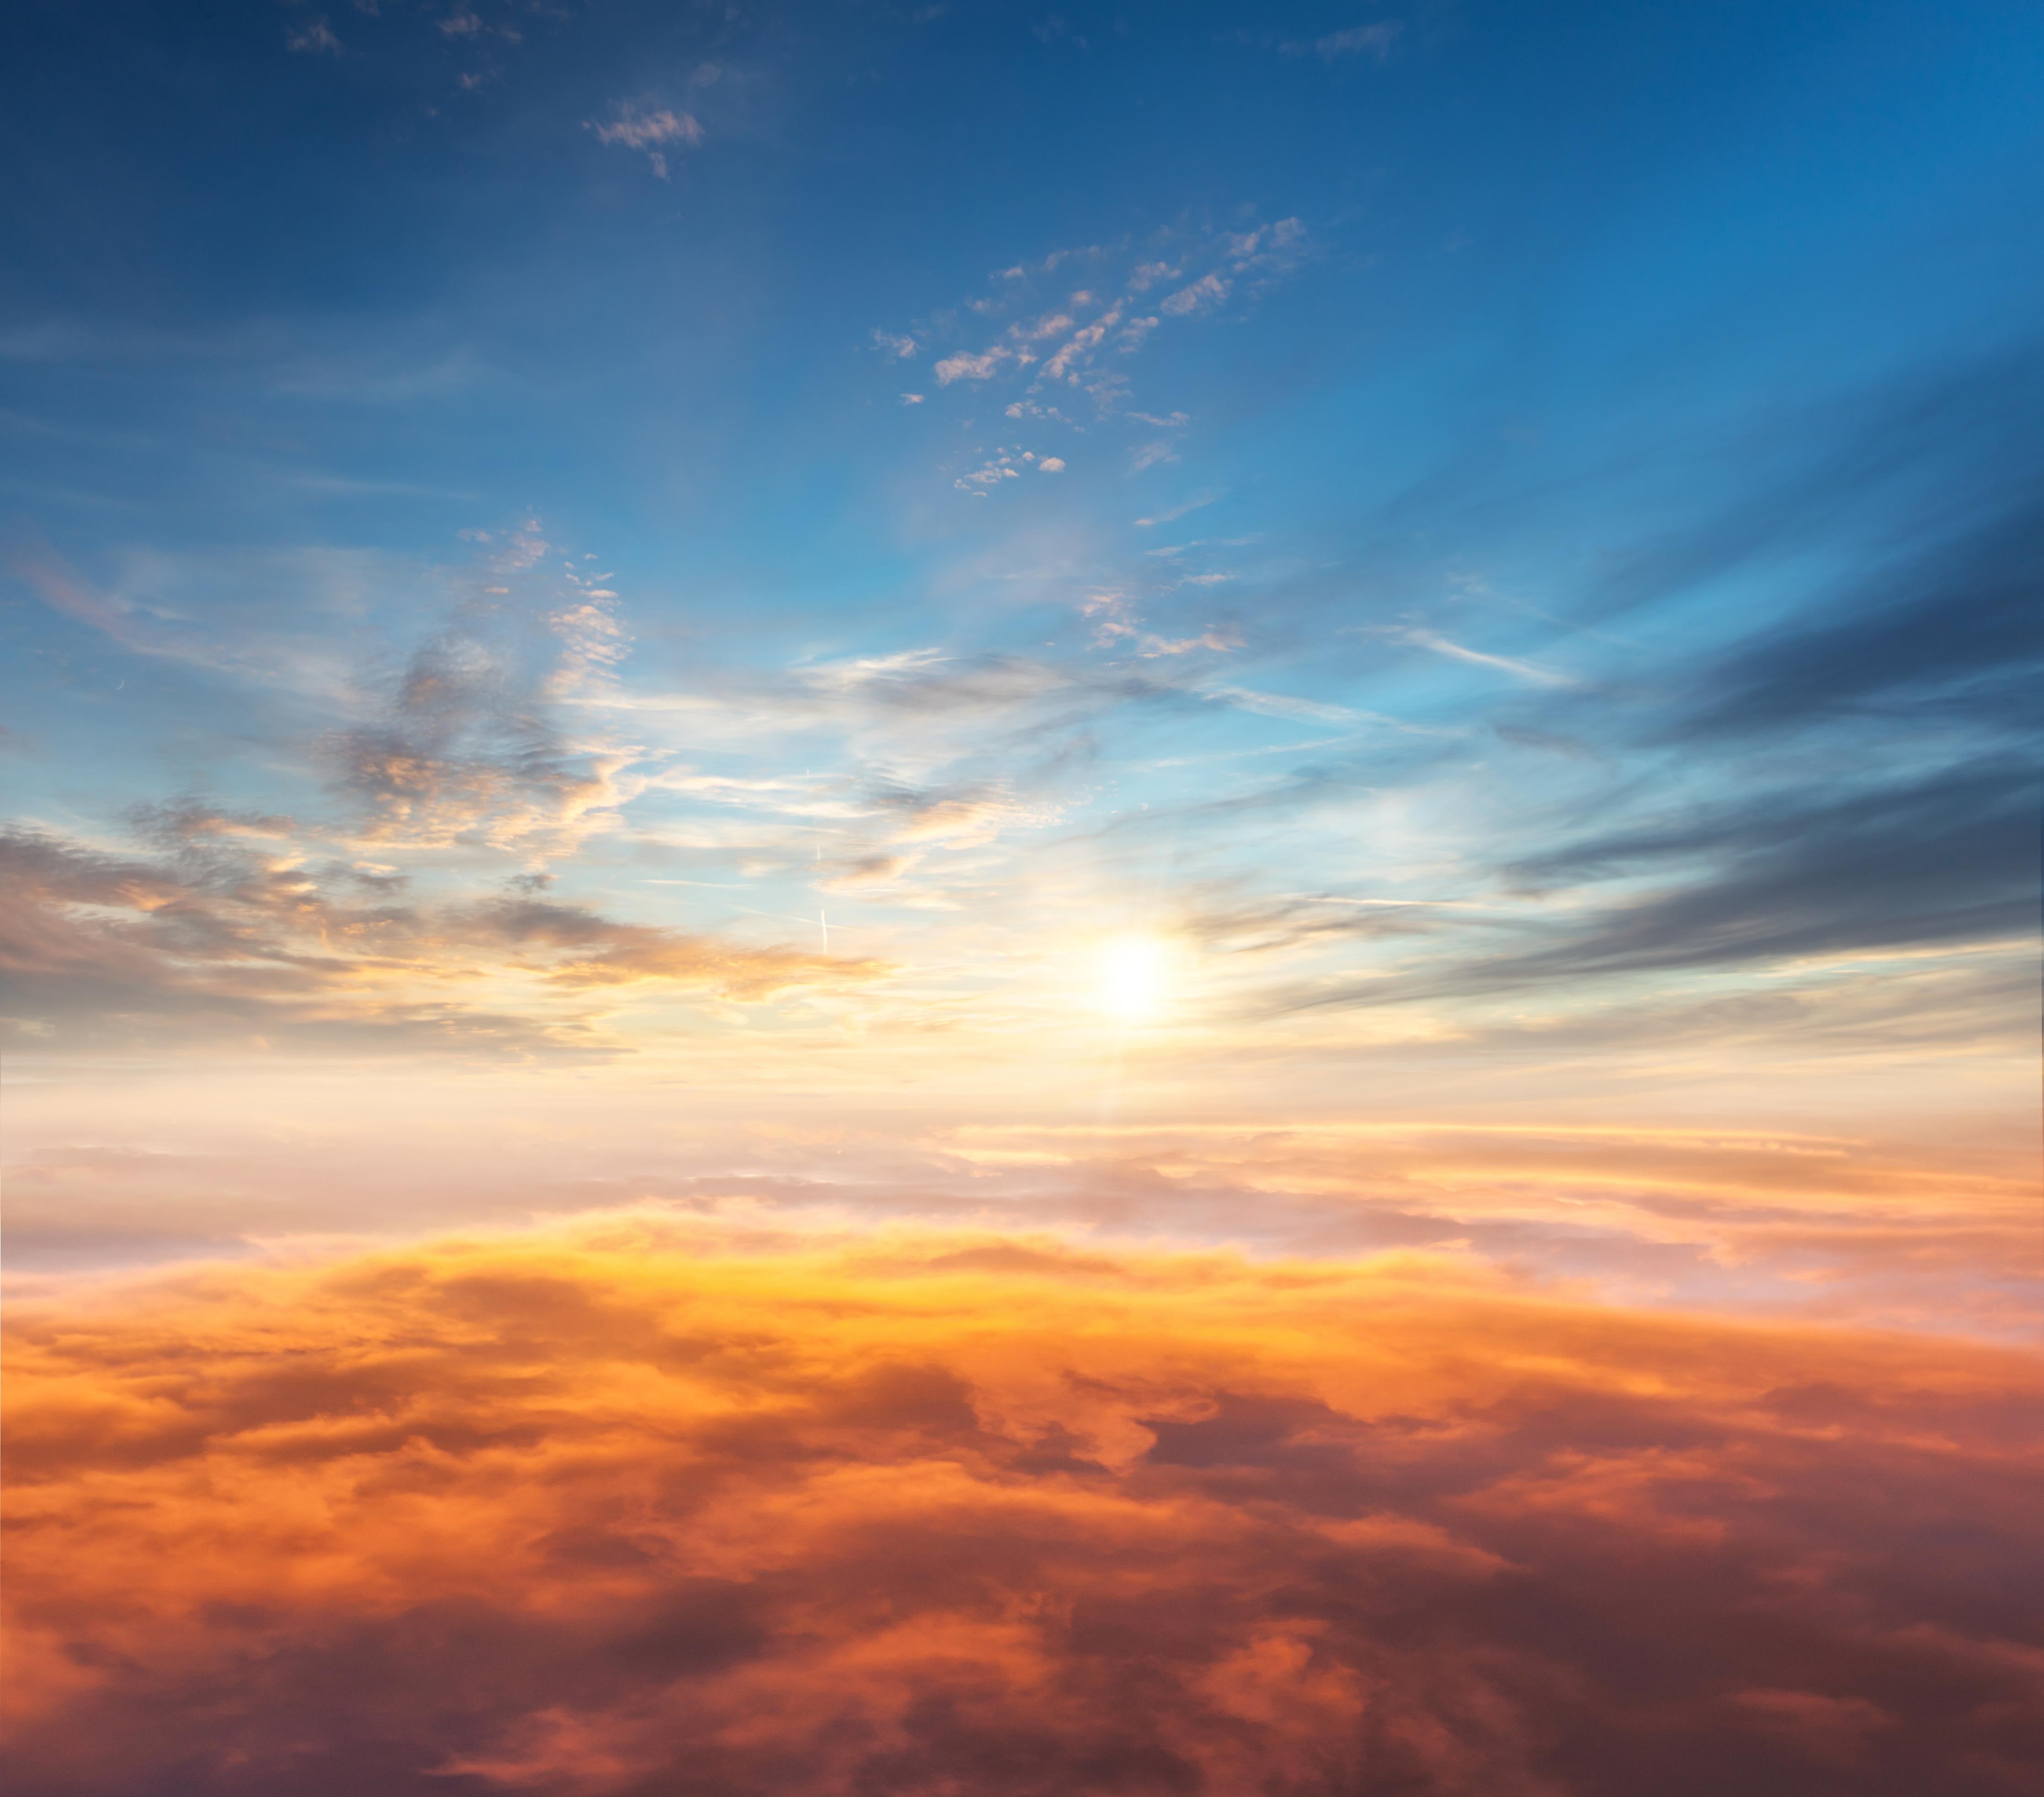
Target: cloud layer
(225, 936)
(642, 1508)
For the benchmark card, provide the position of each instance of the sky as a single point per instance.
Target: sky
(1127, 898)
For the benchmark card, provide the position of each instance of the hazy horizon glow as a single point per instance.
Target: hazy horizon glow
(963, 899)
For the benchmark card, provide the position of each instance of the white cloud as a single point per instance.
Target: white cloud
(1112, 615)
(637, 131)
(1055, 325)
(662, 126)
(1149, 455)
(991, 474)
(1441, 646)
(1081, 344)
(900, 347)
(1150, 274)
(843, 676)
(964, 368)
(1051, 465)
(1177, 421)
(1192, 505)
(1283, 704)
(1220, 640)
(1133, 331)
(1209, 291)
(912, 399)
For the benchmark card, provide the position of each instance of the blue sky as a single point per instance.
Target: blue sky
(1479, 556)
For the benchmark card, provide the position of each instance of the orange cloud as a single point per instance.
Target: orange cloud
(638, 1508)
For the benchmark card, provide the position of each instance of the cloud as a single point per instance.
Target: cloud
(1946, 859)
(1357, 40)
(315, 37)
(228, 933)
(964, 368)
(862, 872)
(961, 817)
(592, 951)
(215, 609)
(1953, 626)
(1201, 295)
(900, 347)
(1005, 465)
(1257, 258)
(1175, 512)
(1929, 481)
(1756, 1222)
(637, 132)
(1441, 646)
(60, 587)
(1053, 325)
(1051, 465)
(1220, 638)
(912, 399)
(467, 747)
(1285, 704)
(1079, 346)
(649, 131)
(926, 1512)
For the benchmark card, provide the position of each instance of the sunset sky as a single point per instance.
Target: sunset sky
(850, 821)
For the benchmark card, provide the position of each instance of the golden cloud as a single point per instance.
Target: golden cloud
(637, 1508)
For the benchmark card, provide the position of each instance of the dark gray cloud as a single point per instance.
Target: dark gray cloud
(1947, 859)
(1958, 628)
(1896, 466)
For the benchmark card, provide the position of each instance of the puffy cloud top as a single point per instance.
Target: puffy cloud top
(597, 1513)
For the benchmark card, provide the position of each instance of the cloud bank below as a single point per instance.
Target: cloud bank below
(592, 1511)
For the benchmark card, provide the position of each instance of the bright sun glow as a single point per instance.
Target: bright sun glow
(1131, 976)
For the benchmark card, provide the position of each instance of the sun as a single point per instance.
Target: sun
(1130, 977)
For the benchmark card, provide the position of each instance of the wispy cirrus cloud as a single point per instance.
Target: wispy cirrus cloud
(1172, 513)
(1440, 645)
